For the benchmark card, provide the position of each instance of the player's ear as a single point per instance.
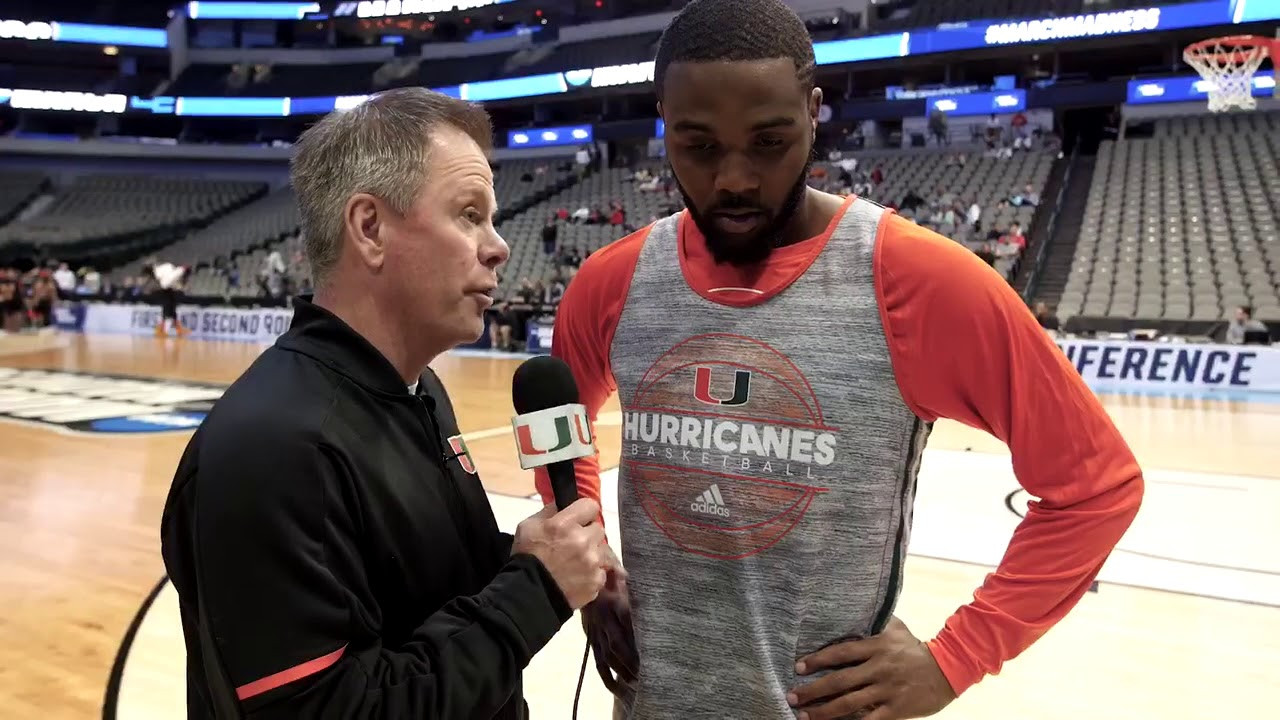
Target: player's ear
(815, 106)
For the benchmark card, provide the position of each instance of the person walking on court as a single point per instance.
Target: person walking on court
(780, 355)
(333, 550)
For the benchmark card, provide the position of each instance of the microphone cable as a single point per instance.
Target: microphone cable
(586, 651)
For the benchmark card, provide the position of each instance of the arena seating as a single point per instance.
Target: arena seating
(597, 190)
(17, 188)
(986, 180)
(243, 239)
(1182, 226)
(262, 221)
(109, 207)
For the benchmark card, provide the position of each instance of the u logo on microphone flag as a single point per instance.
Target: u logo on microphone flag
(553, 435)
(564, 436)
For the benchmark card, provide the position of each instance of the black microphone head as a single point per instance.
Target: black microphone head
(542, 382)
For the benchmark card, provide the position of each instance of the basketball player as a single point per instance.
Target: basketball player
(780, 354)
(169, 279)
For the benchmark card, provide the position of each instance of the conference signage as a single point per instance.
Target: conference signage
(1125, 365)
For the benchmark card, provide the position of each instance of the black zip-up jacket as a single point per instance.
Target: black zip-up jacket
(336, 557)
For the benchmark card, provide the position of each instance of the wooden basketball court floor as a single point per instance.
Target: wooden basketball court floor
(1185, 622)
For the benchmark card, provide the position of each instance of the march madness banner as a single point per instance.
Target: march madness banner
(1152, 366)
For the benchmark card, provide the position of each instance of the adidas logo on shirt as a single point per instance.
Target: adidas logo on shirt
(710, 503)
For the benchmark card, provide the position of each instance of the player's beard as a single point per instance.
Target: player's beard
(750, 251)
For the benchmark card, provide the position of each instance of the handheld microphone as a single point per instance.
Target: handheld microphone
(552, 429)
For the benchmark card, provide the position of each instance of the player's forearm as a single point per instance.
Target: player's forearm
(1054, 556)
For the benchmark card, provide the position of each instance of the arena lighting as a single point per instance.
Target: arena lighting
(83, 33)
(18, 30)
(64, 101)
(545, 137)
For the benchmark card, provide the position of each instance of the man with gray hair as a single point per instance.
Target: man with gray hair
(333, 550)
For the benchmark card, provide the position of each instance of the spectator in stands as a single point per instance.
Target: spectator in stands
(581, 215)
(617, 214)
(911, 201)
(877, 174)
(40, 302)
(550, 232)
(65, 278)
(90, 281)
(525, 294)
(1047, 319)
(986, 252)
(1015, 236)
(994, 131)
(13, 308)
(1243, 325)
(938, 127)
(501, 321)
(1020, 131)
(554, 290)
(1028, 196)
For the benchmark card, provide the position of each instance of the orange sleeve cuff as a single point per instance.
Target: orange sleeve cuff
(961, 672)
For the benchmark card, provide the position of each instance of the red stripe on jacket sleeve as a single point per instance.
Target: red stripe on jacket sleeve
(293, 674)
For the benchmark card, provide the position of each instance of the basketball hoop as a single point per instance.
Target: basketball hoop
(1227, 65)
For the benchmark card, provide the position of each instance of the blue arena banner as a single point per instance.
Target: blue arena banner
(1155, 18)
(1188, 88)
(250, 10)
(1125, 365)
(1008, 101)
(232, 107)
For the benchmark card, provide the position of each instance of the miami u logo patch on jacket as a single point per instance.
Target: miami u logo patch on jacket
(462, 454)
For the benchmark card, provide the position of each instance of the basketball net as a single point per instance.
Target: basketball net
(1227, 65)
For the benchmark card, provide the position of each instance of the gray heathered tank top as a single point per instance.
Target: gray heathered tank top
(768, 471)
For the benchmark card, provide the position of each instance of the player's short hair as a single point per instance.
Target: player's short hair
(735, 30)
(379, 147)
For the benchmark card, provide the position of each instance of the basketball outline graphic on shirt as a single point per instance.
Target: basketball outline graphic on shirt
(755, 434)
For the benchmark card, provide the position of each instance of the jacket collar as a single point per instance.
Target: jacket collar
(320, 334)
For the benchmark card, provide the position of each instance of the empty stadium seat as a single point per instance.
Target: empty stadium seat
(1182, 225)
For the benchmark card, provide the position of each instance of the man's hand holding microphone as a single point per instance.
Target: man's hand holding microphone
(570, 544)
(552, 430)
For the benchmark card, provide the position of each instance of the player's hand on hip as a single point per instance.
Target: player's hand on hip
(570, 545)
(890, 676)
(607, 623)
